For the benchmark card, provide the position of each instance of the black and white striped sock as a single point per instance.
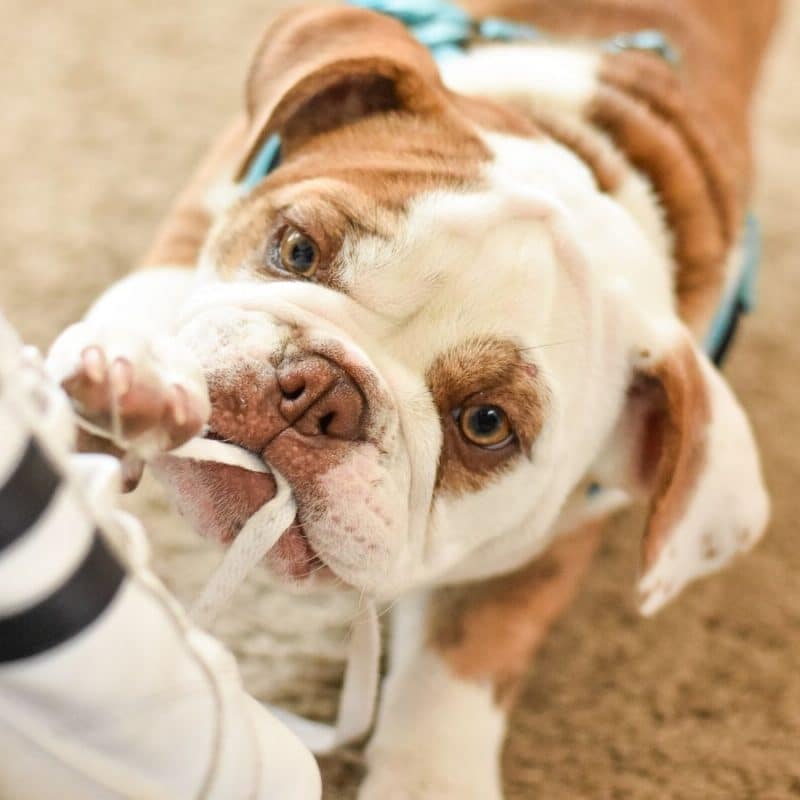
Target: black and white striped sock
(57, 573)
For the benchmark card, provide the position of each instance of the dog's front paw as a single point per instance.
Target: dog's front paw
(142, 393)
(408, 780)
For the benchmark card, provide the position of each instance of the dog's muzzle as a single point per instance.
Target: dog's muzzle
(300, 417)
(297, 397)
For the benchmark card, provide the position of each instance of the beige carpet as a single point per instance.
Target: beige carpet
(106, 106)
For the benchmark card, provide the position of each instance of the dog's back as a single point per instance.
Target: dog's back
(685, 125)
(715, 36)
(721, 44)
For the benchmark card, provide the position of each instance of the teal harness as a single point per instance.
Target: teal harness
(446, 30)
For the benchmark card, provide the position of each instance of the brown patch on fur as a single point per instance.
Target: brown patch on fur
(350, 181)
(253, 228)
(687, 128)
(180, 243)
(658, 85)
(483, 371)
(654, 147)
(319, 68)
(493, 116)
(682, 448)
(390, 158)
(489, 631)
(355, 66)
(356, 100)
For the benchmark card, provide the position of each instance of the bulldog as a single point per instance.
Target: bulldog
(463, 313)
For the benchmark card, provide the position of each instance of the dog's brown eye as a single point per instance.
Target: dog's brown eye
(298, 253)
(485, 426)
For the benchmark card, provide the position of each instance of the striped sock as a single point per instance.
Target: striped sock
(57, 574)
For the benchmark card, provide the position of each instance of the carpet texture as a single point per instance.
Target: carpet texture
(105, 109)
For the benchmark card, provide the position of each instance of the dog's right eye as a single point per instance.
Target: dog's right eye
(485, 426)
(297, 253)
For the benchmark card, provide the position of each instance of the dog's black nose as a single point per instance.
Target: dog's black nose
(318, 398)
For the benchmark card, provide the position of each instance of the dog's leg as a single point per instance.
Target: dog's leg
(123, 370)
(126, 376)
(459, 656)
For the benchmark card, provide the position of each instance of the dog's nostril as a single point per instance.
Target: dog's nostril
(295, 393)
(326, 421)
(292, 384)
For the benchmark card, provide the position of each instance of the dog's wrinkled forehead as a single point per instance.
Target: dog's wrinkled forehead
(366, 128)
(349, 183)
(431, 250)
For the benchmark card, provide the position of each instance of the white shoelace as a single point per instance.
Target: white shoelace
(255, 540)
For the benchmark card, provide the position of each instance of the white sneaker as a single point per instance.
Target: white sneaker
(106, 689)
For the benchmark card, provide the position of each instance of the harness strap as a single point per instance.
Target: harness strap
(740, 298)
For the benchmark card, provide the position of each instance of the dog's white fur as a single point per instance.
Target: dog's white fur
(586, 285)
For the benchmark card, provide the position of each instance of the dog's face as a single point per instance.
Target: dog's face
(433, 324)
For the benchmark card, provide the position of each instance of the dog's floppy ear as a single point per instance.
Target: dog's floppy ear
(685, 444)
(319, 68)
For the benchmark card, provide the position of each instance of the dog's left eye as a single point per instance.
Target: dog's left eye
(486, 426)
(298, 253)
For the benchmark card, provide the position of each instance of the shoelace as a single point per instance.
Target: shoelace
(255, 540)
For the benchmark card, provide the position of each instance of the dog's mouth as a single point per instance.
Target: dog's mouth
(218, 499)
(294, 557)
(314, 411)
